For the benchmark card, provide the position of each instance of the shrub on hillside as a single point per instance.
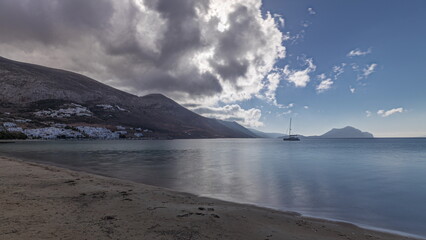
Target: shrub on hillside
(12, 135)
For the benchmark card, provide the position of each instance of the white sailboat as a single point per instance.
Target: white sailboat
(291, 137)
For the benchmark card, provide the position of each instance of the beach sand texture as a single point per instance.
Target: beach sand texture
(44, 202)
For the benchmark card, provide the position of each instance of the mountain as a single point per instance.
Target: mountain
(38, 96)
(237, 127)
(346, 132)
(261, 134)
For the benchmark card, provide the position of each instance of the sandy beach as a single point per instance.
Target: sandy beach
(45, 202)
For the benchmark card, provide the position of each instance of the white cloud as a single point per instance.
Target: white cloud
(367, 71)
(306, 24)
(248, 118)
(355, 67)
(357, 52)
(280, 19)
(273, 80)
(271, 84)
(368, 113)
(338, 70)
(322, 76)
(387, 113)
(306, 107)
(284, 113)
(324, 85)
(282, 106)
(311, 11)
(300, 78)
(294, 38)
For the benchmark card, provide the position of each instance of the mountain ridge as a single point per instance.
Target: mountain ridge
(266, 134)
(29, 89)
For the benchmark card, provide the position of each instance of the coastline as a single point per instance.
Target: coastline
(45, 202)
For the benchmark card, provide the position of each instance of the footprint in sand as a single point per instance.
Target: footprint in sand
(70, 182)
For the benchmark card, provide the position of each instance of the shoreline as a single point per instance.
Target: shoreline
(107, 204)
(317, 218)
(169, 139)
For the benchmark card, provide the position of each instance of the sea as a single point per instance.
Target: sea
(375, 183)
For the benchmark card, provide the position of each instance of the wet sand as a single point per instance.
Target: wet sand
(45, 202)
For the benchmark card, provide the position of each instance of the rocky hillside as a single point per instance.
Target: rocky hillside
(38, 97)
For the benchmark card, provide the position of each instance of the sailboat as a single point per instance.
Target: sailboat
(291, 137)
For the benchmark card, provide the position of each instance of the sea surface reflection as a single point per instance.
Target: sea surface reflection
(375, 182)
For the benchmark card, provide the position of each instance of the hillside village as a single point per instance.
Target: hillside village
(52, 124)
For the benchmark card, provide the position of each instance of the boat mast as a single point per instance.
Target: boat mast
(289, 130)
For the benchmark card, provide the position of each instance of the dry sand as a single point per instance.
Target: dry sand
(44, 202)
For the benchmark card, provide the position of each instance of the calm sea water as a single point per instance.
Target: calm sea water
(378, 183)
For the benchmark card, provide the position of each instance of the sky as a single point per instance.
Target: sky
(386, 37)
(326, 64)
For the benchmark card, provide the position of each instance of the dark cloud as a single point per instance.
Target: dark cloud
(198, 49)
(183, 34)
(50, 21)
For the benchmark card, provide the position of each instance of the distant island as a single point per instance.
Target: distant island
(346, 132)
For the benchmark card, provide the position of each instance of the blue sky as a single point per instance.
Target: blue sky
(389, 34)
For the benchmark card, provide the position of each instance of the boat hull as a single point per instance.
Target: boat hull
(291, 139)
